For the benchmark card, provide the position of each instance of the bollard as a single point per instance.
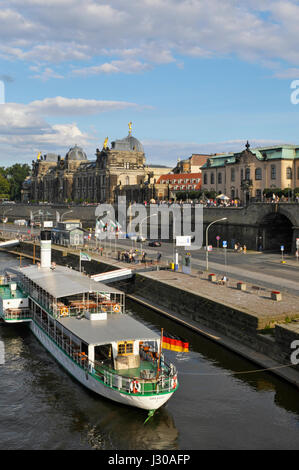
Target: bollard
(275, 295)
(241, 286)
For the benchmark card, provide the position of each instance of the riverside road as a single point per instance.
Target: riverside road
(262, 268)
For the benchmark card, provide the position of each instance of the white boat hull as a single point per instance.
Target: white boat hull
(152, 402)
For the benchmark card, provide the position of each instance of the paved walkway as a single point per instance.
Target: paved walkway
(253, 301)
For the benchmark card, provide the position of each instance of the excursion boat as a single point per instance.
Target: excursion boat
(83, 324)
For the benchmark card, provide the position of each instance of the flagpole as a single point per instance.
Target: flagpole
(159, 359)
(80, 261)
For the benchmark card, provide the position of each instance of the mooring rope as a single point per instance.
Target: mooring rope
(238, 372)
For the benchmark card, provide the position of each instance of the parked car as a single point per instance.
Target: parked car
(154, 243)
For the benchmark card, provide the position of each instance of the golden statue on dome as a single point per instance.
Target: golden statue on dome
(130, 128)
(105, 144)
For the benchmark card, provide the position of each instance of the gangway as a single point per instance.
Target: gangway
(113, 276)
(9, 243)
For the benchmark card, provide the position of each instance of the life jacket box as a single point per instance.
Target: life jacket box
(127, 362)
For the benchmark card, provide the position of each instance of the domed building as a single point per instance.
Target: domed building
(75, 154)
(52, 176)
(117, 168)
(121, 164)
(128, 144)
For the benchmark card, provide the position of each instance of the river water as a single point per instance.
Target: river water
(215, 407)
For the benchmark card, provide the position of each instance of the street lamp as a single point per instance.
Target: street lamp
(207, 251)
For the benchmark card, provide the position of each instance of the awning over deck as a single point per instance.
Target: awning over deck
(117, 327)
(64, 282)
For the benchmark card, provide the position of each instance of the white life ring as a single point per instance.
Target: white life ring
(135, 386)
(174, 382)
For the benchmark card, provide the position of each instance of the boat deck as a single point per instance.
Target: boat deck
(144, 365)
(6, 293)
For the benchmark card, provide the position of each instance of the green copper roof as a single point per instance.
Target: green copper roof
(284, 152)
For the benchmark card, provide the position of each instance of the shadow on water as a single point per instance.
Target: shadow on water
(223, 361)
(66, 414)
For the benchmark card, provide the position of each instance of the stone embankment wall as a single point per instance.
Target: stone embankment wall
(242, 327)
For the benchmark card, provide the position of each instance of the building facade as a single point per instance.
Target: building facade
(192, 164)
(247, 174)
(181, 182)
(75, 178)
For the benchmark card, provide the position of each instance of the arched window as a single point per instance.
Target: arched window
(219, 178)
(289, 173)
(247, 173)
(273, 172)
(205, 178)
(258, 173)
(212, 178)
(232, 174)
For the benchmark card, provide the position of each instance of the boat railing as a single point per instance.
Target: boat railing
(66, 311)
(162, 381)
(17, 314)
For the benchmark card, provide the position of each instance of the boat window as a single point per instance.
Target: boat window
(125, 347)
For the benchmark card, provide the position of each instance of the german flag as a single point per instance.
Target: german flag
(174, 344)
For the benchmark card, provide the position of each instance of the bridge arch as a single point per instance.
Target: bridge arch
(275, 229)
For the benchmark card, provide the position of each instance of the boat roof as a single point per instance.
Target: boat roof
(117, 327)
(63, 281)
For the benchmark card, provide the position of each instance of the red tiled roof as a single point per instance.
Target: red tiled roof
(178, 176)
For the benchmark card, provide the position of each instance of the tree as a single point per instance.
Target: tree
(4, 186)
(16, 175)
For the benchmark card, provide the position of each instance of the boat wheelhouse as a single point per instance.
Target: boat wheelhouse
(83, 324)
(14, 306)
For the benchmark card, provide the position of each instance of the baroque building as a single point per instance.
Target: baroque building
(75, 178)
(247, 174)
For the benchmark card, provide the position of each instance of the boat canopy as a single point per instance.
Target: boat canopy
(63, 282)
(117, 327)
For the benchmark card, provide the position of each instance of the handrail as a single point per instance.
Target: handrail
(16, 313)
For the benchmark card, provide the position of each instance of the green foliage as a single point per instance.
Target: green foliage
(4, 186)
(268, 192)
(11, 180)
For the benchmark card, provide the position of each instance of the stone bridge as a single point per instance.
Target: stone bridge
(264, 226)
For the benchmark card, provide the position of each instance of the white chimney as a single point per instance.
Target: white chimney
(45, 249)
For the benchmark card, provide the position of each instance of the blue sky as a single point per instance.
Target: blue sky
(192, 75)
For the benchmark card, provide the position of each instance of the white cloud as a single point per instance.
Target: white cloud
(45, 74)
(61, 106)
(116, 66)
(291, 73)
(24, 127)
(148, 32)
